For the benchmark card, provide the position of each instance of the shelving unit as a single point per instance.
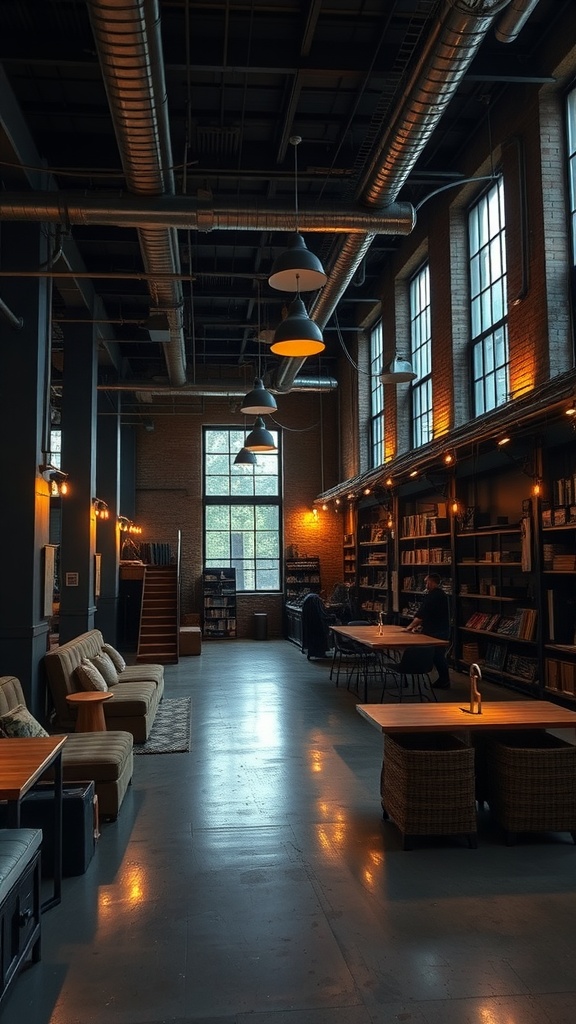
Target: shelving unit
(558, 545)
(375, 561)
(497, 620)
(301, 577)
(219, 600)
(425, 546)
(349, 553)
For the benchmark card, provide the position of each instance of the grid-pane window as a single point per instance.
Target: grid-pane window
(376, 397)
(242, 510)
(571, 125)
(488, 306)
(421, 352)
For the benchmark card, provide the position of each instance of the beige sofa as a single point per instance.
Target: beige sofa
(106, 758)
(137, 693)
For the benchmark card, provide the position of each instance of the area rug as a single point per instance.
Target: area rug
(170, 733)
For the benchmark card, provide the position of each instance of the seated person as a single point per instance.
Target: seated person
(315, 627)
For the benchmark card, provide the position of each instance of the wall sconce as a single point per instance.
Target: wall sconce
(324, 507)
(315, 514)
(390, 521)
(388, 481)
(101, 510)
(502, 440)
(127, 526)
(449, 459)
(337, 502)
(57, 479)
(413, 473)
(455, 508)
(571, 410)
(367, 491)
(537, 488)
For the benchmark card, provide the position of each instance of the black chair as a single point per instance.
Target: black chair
(415, 664)
(361, 661)
(346, 655)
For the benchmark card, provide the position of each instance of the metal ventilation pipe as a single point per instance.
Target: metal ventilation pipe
(127, 37)
(449, 51)
(513, 20)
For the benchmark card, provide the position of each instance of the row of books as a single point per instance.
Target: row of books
(564, 490)
(562, 516)
(427, 556)
(497, 657)
(521, 625)
(423, 524)
(561, 676)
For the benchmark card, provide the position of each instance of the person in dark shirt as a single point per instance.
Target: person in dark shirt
(433, 619)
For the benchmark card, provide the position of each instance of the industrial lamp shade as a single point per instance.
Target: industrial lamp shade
(399, 371)
(297, 334)
(297, 269)
(258, 400)
(259, 439)
(245, 458)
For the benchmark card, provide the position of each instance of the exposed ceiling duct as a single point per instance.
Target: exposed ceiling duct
(301, 384)
(187, 212)
(129, 46)
(445, 59)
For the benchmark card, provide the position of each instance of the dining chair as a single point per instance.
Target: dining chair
(415, 664)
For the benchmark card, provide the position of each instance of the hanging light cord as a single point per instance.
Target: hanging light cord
(358, 369)
(296, 140)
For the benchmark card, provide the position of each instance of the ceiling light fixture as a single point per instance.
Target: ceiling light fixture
(399, 371)
(245, 458)
(297, 268)
(258, 401)
(260, 439)
(297, 334)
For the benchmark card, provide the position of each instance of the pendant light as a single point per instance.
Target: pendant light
(399, 371)
(297, 334)
(260, 439)
(297, 268)
(245, 458)
(258, 400)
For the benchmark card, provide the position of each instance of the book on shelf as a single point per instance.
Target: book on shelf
(561, 616)
(519, 665)
(495, 656)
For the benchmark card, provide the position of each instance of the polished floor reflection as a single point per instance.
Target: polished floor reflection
(253, 881)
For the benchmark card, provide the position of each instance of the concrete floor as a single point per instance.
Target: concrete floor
(253, 881)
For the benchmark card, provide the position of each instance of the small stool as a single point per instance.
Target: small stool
(190, 640)
(427, 786)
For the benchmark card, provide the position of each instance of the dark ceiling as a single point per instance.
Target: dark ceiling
(241, 79)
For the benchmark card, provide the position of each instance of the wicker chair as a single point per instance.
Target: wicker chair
(427, 786)
(531, 783)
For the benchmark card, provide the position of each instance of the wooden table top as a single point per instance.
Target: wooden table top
(22, 762)
(391, 638)
(449, 717)
(89, 696)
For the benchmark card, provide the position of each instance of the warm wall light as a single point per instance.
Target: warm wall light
(571, 410)
(537, 488)
(337, 501)
(389, 521)
(449, 458)
(324, 507)
(367, 491)
(503, 439)
(101, 510)
(455, 508)
(57, 479)
(315, 514)
(127, 526)
(389, 481)
(414, 473)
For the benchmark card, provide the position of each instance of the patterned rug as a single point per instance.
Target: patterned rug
(171, 730)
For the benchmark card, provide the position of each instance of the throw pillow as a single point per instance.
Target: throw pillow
(106, 668)
(89, 677)
(115, 656)
(19, 722)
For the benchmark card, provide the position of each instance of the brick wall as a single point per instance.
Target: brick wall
(169, 491)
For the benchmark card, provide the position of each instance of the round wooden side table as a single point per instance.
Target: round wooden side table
(90, 710)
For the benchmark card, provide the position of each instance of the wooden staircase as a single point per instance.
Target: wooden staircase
(159, 616)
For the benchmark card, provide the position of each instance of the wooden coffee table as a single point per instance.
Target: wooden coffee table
(90, 709)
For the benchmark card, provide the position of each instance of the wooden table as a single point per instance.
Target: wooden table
(392, 638)
(23, 761)
(386, 638)
(452, 717)
(90, 716)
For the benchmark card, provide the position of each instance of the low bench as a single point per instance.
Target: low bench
(19, 902)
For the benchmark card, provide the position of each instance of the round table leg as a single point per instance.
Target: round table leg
(90, 718)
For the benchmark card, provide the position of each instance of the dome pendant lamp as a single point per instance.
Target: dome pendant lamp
(297, 268)
(245, 458)
(258, 400)
(297, 334)
(260, 439)
(399, 371)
